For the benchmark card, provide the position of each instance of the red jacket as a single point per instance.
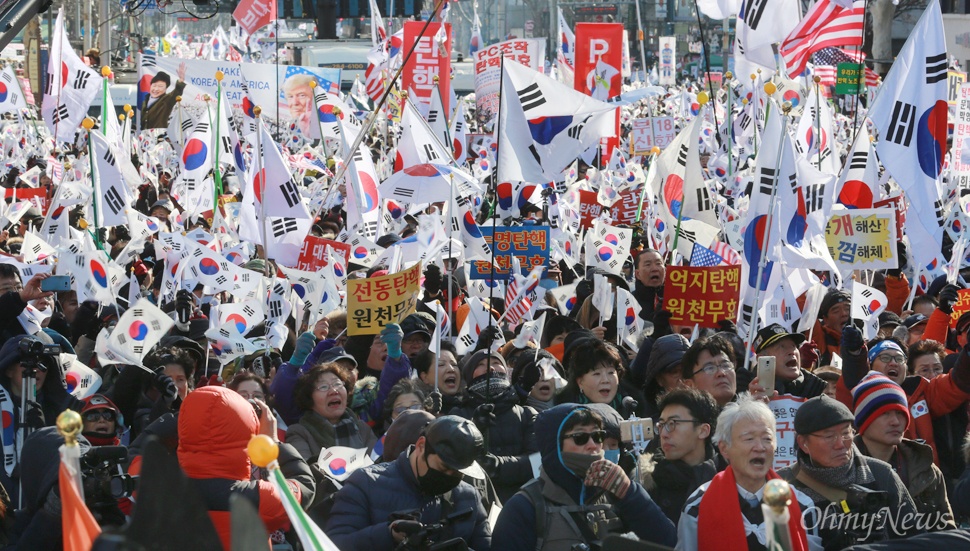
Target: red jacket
(897, 293)
(937, 328)
(215, 425)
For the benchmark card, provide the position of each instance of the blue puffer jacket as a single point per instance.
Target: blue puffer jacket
(515, 529)
(361, 509)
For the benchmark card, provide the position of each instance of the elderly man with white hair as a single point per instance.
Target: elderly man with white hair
(725, 513)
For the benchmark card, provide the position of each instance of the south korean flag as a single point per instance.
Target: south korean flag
(867, 304)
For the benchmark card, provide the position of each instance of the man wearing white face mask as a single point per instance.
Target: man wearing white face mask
(579, 498)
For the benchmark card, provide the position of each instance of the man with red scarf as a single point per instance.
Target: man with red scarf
(725, 513)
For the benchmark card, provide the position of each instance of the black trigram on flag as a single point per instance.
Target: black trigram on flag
(221, 280)
(113, 199)
(186, 125)
(682, 154)
(81, 80)
(429, 152)
(432, 116)
(467, 340)
(290, 193)
(753, 11)
(202, 127)
(858, 160)
(368, 229)
(283, 226)
(703, 199)
(866, 294)
(938, 208)
(531, 97)
(936, 68)
(767, 180)
(747, 315)
(248, 310)
(901, 128)
(275, 309)
(109, 157)
(403, 192)
(59, 114)
(813, 198)
(576, 130)
(226, 144)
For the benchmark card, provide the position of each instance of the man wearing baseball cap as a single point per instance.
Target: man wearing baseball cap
(775, 341)
(881, 417)
(842, 481)
(833, 315)
(380, 506)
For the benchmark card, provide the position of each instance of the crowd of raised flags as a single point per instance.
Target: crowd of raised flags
(757, 169)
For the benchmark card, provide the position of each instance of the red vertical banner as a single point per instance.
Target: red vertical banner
(599, 64)
(427, 62)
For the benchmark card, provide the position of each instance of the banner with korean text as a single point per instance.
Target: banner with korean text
(374, 302)
(313, 253)
(623, 211)
(785, 407)
(530, 52)
(863, 239)
(529, 244)
(702, 296)
(644, 138)
(428, 61)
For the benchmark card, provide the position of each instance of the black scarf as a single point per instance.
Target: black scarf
(856, 471)
(344, 433)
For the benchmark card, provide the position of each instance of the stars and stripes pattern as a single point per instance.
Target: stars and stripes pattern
(825, 65)
(826, 24)
(701, 256)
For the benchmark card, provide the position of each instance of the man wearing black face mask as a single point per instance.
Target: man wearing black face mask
(423, 483)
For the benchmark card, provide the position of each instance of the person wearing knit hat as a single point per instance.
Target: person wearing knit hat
(881, 418)
(830, 467)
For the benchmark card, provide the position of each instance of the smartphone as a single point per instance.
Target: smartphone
(256, 408)
(766, 373)
(636, 430)
(56, 283)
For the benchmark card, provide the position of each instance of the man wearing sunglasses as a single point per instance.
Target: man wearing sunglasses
(102, 421)
(580, 497)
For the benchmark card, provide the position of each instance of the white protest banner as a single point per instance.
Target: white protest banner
(664, 131)
(668, 53)
(245, 85)
(784, 407)
(960, 158)
(530, 52)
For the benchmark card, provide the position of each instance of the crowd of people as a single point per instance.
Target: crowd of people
(549, 429)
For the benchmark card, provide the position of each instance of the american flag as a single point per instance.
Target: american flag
(704, 257)
(826, 24)
(727, 253)
(827, 59)
(517, 294)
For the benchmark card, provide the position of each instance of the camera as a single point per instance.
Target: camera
(103, 478)
(862, 499)
(34, 348)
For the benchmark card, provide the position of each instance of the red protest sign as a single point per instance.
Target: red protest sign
(37, 196)
(702, 296)
(623, 211)
(599, 63)
(897, 204)
(254, 14)
(427, 62)
(962, 306)
(313, 254)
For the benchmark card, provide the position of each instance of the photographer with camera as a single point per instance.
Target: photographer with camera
(32, 393)
(859, 499)
(417, 500)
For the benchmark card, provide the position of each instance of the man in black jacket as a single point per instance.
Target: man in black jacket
(382, 505)
(775, 341)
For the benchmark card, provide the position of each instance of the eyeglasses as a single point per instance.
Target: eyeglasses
(831, 439)
(670, 425)
(326, 387)
(581, 438)
(253, 395)
(711, 369)
(401, 409)
(891, 358)
(101, 415)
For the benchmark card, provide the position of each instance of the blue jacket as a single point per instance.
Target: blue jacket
(362, 508)
(515, 529)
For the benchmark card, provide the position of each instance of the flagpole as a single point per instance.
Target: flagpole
(643, 54)
(258, 157)
(707, 58)
(451, 232)
(764, 242)
(860, 77)
(88, 124)
(754, 110)
(730, 129)
(818, 124)
(217, 172)
(316, 109)
(276, 58)
(105, 71)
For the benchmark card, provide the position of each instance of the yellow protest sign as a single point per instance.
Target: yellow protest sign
(863, 239)
(374, 302)
(962, 306)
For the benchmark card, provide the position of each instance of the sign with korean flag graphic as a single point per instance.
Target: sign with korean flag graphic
(138, 330)
(867, 304)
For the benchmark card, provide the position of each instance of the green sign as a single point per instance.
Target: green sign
(849, 78)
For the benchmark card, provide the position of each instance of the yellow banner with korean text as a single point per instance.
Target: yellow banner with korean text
(374, 302)
(863, 239)
(702, 296)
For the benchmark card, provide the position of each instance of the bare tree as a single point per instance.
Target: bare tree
(881, 15)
